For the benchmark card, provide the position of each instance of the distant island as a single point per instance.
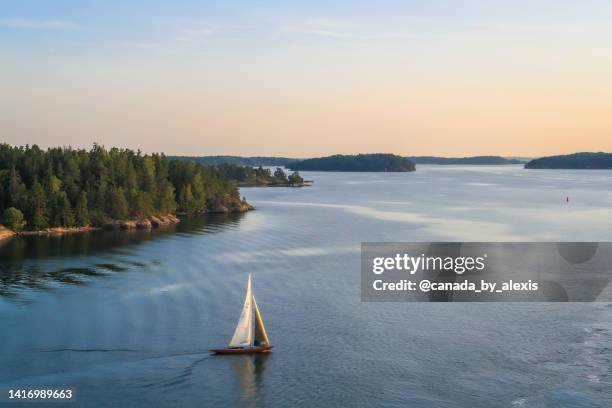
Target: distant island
(270, 161)
(585, 160)
(474, 160)
(362, 162)
(253, 161)
(66, 190)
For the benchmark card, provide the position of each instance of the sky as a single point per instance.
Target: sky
(309, 78)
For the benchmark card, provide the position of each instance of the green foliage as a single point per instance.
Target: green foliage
(166, 202)
(38, 208)
(116, 203)
(13, 219)
(262, 173)
(64, 216)
(295, 178)
(280, 175)
(81, 211)
(65, 187)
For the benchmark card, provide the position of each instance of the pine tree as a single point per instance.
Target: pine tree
(186, 200)
(143, 205)
(117, 205)
(81, 212)
(166, 201)
(65, 214)
(295, 178)
(38, 207)
(280, 175)
(16, 190)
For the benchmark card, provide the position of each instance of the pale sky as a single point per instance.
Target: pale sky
(309, 78)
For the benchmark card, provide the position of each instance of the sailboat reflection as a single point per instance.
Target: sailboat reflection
(249, 371)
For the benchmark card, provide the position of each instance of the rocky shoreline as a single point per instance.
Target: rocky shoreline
(5, 233)
(145, 223)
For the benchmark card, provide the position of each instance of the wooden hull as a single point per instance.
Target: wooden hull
(241, 350)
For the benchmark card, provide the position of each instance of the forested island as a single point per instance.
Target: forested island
(62, 189)
(585, 160)
(252, 161)
(473, 160)
(249, 175)
(375, 162)
(246, 176)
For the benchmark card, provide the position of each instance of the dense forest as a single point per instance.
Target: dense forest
(360, 162)
(573, 161)
(65, 187)
(252, 161)
(473, 160)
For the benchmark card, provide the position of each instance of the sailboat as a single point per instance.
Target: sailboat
(250, 335)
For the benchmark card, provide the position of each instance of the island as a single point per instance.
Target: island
(375, 162)
(472, 160)
(584, 160)
(61, 190)
(246, 176)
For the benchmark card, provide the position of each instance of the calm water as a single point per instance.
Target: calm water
(127, 318)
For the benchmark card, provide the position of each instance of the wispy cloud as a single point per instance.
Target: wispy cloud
(195, 34)
(31, 24)
(173, 38)
(141, 45)
(340, 29)
(320, 27)
(329, 33)
(411, 28)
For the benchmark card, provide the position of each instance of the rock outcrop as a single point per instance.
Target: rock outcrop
(144, 224)
(5, 233)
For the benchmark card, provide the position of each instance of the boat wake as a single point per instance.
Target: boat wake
(87, 350)
(182, 378)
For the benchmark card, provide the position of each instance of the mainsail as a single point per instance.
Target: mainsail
(243, 335)
(250, 330)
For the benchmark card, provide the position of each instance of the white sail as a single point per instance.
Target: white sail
(244, 333)
(260, 336)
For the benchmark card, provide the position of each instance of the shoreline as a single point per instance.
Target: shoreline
(306, 183)
(147, 223)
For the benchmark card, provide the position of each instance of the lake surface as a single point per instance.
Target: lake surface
(127, 318)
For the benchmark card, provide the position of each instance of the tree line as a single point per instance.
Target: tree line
(66, 187)
(584, 160)
(251, 161)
